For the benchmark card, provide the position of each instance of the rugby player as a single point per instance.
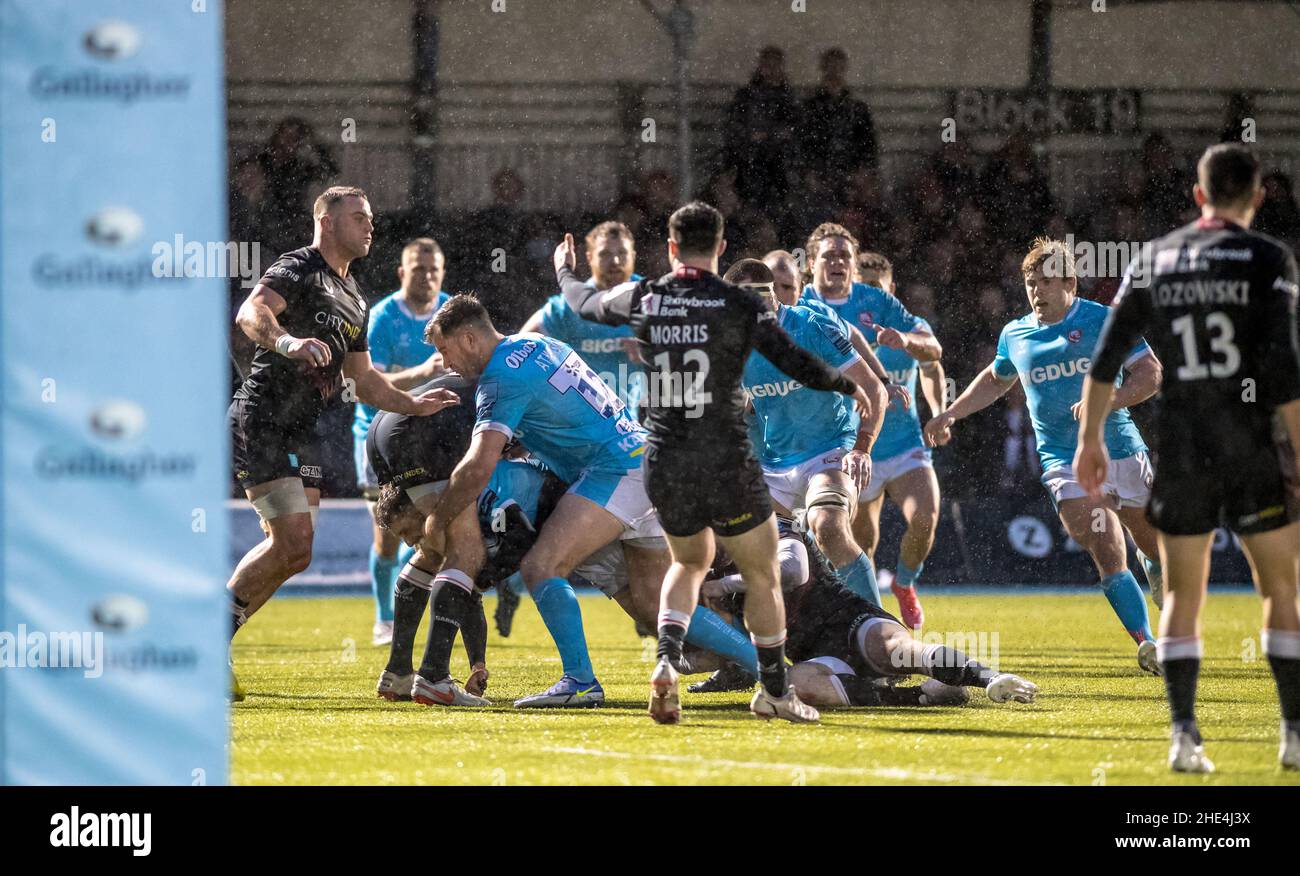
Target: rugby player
(611, 257)
(307, 316)
(903, 470)
(1049, 351)
(1221, 308)
(696, 332)
(833, 254)
(844, 646)
(412, 458)
(541, 390)
(815, 453)
(395, 335)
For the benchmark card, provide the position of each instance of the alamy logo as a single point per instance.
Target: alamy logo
(53, 650)
(1057, 370)
(75, 829)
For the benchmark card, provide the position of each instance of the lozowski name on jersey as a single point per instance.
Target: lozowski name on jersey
(693, 333)
(1177, 294)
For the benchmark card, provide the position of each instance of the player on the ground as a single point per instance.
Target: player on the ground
(611, 258)
(1220, 305)
(542, 391)
(412, 458)
(696, 333)
(395, 335)
(815, 452)
(844, 645)
(902, 469)
(308, 318)
(833, 254)
(1049, 351)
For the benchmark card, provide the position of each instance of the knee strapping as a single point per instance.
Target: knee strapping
(831, 496)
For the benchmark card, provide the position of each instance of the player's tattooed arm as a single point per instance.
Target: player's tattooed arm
(257, 319)
(983, 391)
(373, 388)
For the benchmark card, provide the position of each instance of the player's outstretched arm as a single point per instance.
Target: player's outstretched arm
(983, 391)
(921, 346)
(874, 418)
(411, 377)
(779, 348)
(534, 322)
(611, 307)
(862, 348)
(374, 389)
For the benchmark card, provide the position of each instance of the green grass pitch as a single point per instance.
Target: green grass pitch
(312, 716)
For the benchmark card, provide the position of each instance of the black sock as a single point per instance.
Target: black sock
(671, 638)
(862, 691)
(1180, 686)
(771, 668)
(953, 667)
(474, 630)
(1286, 673)
(450, 605)
(408, 610)
(238, 614)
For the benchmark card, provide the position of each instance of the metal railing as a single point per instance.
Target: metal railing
(576, 144)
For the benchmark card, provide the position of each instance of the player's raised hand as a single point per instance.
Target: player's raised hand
(899, 394)
(433, 401)
(313, 351)
(566, 254)
(938, 431)
(891, 338)
(857, 465)
(1091, 462)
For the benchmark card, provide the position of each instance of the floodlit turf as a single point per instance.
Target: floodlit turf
(312, 717)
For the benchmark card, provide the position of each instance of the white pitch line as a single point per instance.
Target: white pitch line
(896, 774)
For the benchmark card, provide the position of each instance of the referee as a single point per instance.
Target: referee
(307, 316)
(1220, 311)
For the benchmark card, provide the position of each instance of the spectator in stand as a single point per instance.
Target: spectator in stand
(838, 135)
(294, 165)
(758, 139)
(1016, 195)
(1167, 191)
(1278, 215)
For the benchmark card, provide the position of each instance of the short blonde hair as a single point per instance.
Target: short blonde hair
(1054, 257)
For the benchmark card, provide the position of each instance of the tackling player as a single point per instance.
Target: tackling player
(1049, 351)
(815, 452)
(412, 458)
(395, 335)
(696, 332)
(901, 459)
(843, 645)
(611, 255)
(1221, 308)
(833, 254)
(308, 318)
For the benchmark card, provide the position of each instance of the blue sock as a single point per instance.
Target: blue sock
(515, 583)
(905, 576)
(860, 576)
(709, 631)
(558, 606)
(383, 581)
(1125, 596)
(404, 554)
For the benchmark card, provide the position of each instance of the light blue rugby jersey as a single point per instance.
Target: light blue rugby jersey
(867, 307)
(396, 340)
(600, 345)
(1052, 362)
(794, 423)
(539, 390)
(517, 481)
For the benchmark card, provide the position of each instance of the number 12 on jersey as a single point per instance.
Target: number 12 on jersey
(683, 389)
